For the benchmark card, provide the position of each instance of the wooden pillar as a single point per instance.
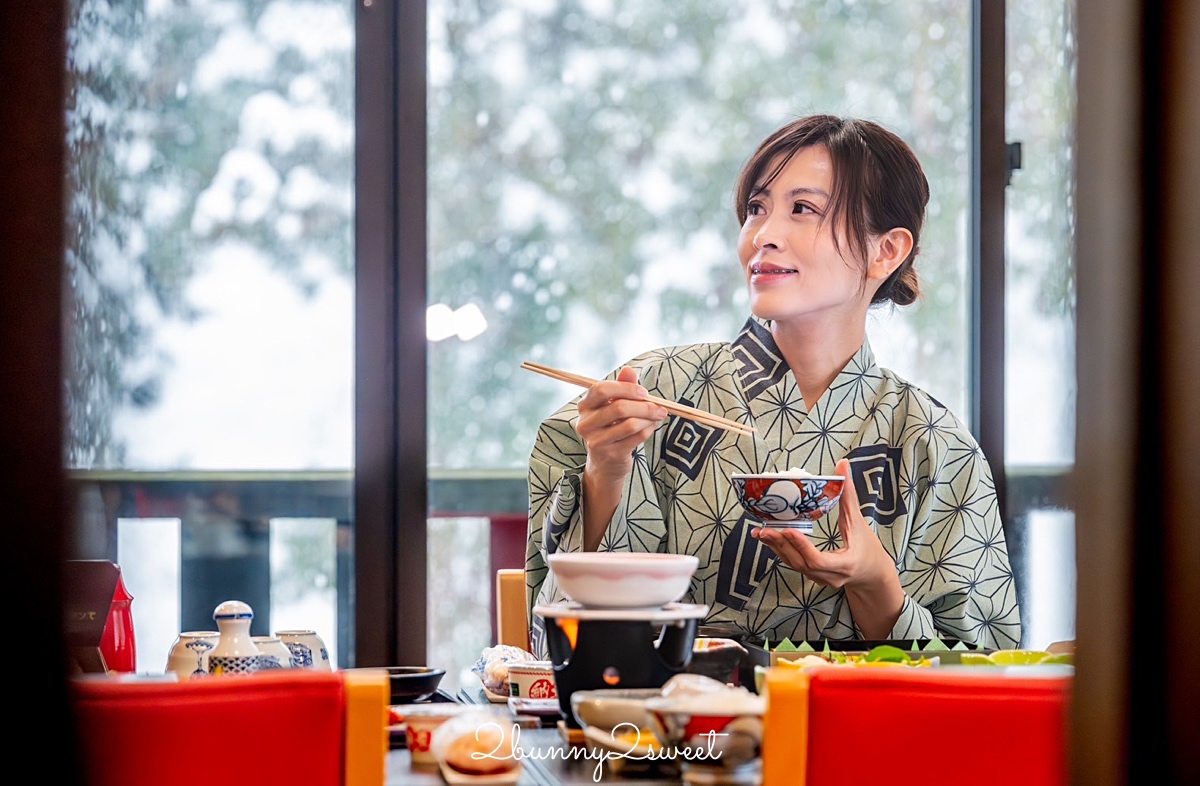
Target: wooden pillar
(1137, 484)
(32, 498)
(1173, 312)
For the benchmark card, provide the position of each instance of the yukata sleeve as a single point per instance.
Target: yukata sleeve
(556, 506)
(555, 518)
(955, 568)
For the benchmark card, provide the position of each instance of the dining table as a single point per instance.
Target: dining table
(547, 757)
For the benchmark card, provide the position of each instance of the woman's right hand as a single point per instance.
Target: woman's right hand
(615, 416)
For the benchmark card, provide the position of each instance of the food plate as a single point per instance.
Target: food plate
(534, 706)
(506, 778)
(495, 698)
(950, 653)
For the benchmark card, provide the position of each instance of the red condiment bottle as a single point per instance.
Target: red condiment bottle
(117, 643)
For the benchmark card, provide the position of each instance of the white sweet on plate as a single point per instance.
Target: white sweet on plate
(476, 743)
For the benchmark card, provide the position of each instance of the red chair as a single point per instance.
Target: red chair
(904, 725)
(291, 726)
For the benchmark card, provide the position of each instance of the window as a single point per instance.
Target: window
(211, 270)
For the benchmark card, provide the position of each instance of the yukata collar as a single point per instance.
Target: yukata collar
(761, 365)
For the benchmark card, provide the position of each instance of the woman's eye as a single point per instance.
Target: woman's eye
(754, 209)
(801, 207)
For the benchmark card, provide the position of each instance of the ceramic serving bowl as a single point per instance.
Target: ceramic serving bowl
(413, 683)
(608, 708)
(777, 499)
(623, 579)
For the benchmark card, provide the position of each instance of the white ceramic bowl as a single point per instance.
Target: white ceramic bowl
(606, 708)
(623, 579)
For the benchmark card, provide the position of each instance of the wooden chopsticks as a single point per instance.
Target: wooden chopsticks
(684, 411)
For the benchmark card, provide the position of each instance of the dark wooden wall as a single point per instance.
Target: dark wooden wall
(1137, 685)
(32, 502)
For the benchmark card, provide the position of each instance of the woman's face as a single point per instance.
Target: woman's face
(794, 272)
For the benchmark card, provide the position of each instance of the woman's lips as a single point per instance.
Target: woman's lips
(769, 274)
(770, 270)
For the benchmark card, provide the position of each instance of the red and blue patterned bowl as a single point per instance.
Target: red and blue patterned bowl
(780, 500)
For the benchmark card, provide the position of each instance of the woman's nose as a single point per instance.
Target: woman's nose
(769, 235)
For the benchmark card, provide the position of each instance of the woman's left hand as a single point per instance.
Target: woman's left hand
(861, 565)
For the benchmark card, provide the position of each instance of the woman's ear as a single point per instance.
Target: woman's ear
(889, 252)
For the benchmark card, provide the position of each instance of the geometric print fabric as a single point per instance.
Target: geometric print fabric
(923, 485)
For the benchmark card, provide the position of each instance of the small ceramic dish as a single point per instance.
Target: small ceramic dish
(455, 778)
(540, 707)
(532, 680)
(495, 698)
(606, 708)
(421, 721)
(721, 729)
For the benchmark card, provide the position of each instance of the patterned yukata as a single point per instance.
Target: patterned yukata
(923, 485)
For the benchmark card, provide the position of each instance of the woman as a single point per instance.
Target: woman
(831, 212)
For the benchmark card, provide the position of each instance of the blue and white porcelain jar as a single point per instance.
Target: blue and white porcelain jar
(189, 654)
(235, 652)
(307, 648)
(272, 653)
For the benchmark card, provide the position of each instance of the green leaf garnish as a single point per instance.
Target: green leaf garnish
(936, 645)
(826, 649)
(786, 646)
(961, 645)
(886, 653)
(805, 647)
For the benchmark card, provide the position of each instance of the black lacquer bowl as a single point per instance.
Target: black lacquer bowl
(413, 683)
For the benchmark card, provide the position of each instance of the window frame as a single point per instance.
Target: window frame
(390, 490)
